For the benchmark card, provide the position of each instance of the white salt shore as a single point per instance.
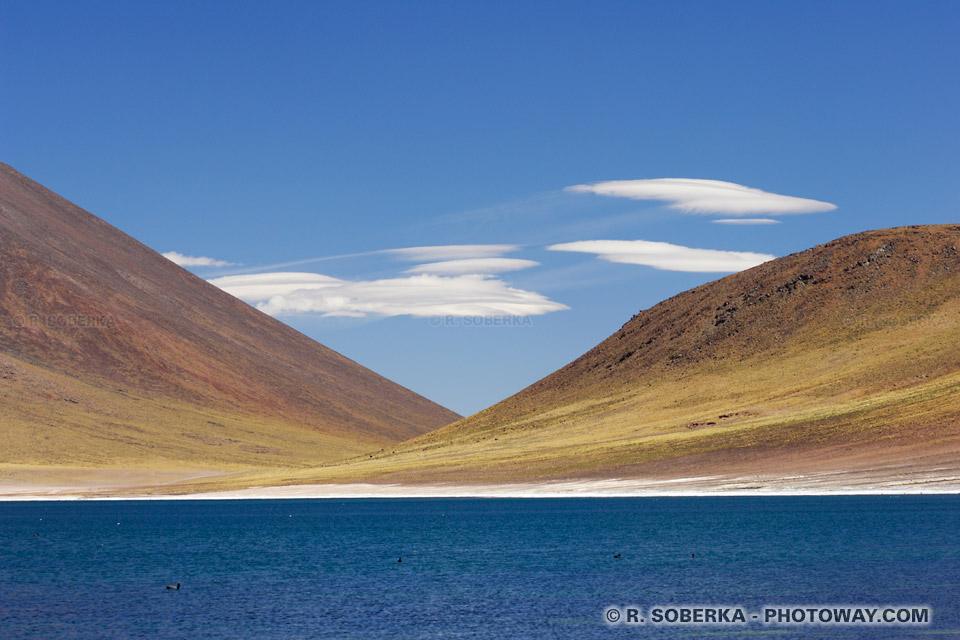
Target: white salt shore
(823, 483)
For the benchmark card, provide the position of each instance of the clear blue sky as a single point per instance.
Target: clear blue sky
(263, 133)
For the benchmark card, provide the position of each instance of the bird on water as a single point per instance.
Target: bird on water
(170, 586)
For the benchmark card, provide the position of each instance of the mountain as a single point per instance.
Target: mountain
(839, 359)
(112, 355)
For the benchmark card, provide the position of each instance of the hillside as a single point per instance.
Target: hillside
(841, 358)
(111, 355)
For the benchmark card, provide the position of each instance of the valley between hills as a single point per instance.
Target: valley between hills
(836, 368)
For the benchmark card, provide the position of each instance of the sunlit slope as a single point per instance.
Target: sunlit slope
(110, 354)
(843, 356)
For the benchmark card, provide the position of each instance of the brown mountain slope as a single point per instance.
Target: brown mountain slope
(830, 295)
(110, 354)
(842, 357)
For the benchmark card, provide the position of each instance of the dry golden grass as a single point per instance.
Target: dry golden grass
(56, 420)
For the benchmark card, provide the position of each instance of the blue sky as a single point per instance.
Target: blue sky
(263, 134)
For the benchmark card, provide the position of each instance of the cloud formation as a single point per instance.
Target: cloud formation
(705, 196)
(258, 287)
(745, 221)
(474, 266)
(452, 252)
(417, 295)
(666, 256)
(194, 261)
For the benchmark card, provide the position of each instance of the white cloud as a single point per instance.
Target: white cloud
(705, 196)
(452, 252)
(669, 257)
(261, 286)
(194, 261)
(746, 221)
(473, 265)
(418, 295)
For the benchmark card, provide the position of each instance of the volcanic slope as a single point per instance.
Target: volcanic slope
(113, 356)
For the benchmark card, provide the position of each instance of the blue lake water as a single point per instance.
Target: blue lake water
(472, 568)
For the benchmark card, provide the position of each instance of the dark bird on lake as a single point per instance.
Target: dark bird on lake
(618, 556)
(170, 586)
(399, 559)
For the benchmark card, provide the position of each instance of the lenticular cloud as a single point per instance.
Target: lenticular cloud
(194, 261)
(422, 295)
(484, 266)
(666, 256)
(705, 196)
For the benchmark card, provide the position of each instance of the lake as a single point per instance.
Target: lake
(472, 568)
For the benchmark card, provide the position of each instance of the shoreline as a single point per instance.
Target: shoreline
(702, 486)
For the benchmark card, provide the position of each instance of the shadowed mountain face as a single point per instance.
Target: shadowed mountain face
(842, 357)
(111, 354)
